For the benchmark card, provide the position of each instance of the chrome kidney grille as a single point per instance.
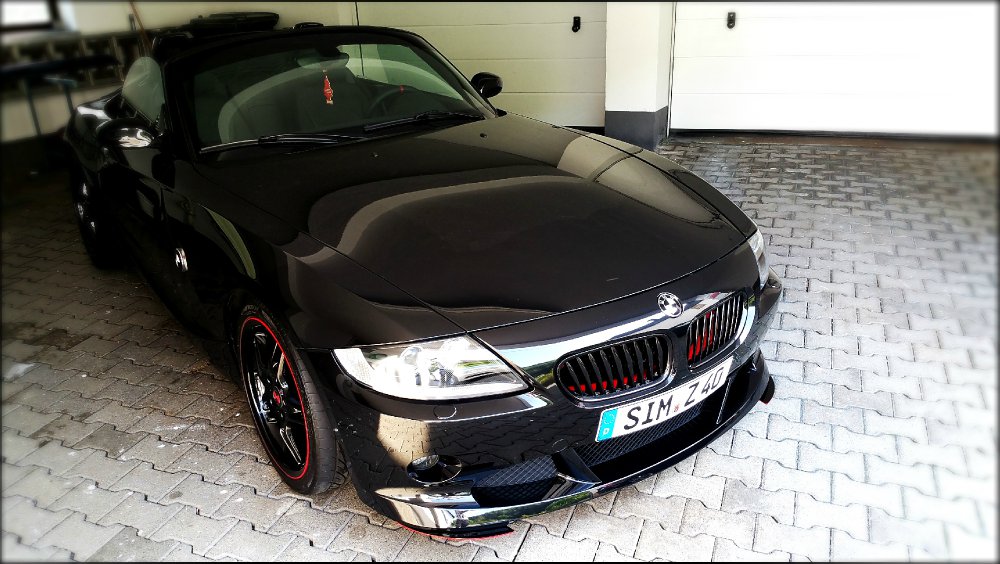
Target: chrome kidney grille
(711, 331)
(615, 368)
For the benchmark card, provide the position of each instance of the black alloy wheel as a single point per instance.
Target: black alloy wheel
(275, 398)
(287, 408)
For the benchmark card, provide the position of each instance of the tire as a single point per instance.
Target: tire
(95, 230)
(289, 410)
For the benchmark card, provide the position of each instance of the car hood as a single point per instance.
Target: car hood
(491, 222)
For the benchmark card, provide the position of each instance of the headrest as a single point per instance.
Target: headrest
(330, 60)
(169, 44)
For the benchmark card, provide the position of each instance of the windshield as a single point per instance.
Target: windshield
(318, 83)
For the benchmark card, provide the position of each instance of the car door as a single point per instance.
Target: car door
(129, 187)
(141, 171)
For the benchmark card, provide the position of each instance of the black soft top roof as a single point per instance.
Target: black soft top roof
(173, 45)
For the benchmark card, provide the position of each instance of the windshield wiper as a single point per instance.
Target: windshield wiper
(286, 139)
(423, 116)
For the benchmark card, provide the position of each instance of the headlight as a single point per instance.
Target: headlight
(445, 369)
(757, 244)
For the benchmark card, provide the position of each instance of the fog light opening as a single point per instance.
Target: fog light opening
(425, 463)
(433, 469)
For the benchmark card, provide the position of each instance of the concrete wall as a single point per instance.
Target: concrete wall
(638, 71)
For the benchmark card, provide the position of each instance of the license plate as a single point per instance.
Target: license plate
(645, 413)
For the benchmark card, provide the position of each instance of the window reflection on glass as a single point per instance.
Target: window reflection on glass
(14, 14)
(284, 86)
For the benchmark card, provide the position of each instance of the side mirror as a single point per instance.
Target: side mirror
(133, 137)
(487, 84)
(126, 133)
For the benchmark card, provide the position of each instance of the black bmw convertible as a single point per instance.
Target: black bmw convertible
(474, 315)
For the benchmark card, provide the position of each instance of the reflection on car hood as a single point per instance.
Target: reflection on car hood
(491, 222)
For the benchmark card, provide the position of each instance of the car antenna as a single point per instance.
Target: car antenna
(142, 30)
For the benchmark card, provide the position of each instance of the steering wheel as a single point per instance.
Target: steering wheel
(381, 98)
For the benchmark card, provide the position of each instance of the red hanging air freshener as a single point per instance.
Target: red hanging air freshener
(327, 89)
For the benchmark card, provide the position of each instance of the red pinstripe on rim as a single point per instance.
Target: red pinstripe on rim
(295, 380)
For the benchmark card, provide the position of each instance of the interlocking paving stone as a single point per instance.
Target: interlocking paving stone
(505, 547)
(603, 503)
(667, 510)
(244, 543)
(210, 465)
(161, 454)
(79, 537)
(708, 489)
(37, 398)
(97, 466)
(379, 542)
(149, 481)
(128, 546)
(31, 522)
(203, 432)
(206, 497)
(312, 524)
(421, 548)
(67, 430)
(14, 551)
(813, 543)
(78, 407)
(301, 551)
(555, 522)
(57, 458)
(42, 487)
(140, 514)
(851, 518)
(925, 535)
(164, 426)
(26, 421)
(780, 504)
(747, 470)
(167, 401)
(198, 531)
(883, 354)
(12, 474)
(86, 498)
(737, 527)
(262, 477)
(540, 546)
(622, 533)
(727, 551)
(655, 542)
(261, 511)
(14, 447)
(120, 416)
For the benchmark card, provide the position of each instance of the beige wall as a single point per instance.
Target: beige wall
(97, 17)
(548, 71)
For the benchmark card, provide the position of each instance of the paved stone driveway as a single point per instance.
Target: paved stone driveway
(121, 442)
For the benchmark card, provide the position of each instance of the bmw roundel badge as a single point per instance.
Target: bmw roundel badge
(670, 304)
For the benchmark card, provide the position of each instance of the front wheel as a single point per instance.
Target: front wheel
(291, 416)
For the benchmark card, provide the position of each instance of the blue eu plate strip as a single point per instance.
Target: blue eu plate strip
(607, 424)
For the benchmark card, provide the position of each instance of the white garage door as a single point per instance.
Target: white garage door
(549, 72)
(854, 67)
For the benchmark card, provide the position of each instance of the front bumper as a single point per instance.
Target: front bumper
(452, 512)
(381, 435)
